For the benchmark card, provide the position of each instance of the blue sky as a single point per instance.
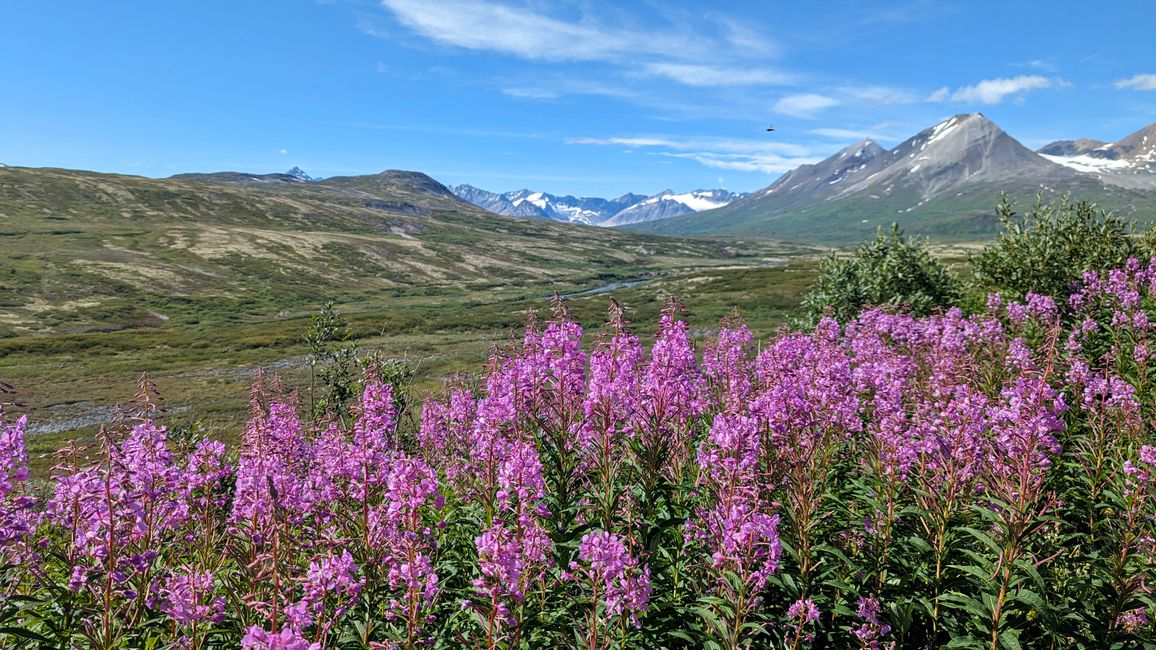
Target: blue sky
(580, 97)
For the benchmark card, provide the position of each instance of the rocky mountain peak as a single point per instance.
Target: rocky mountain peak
(299, 174)
(1076, 147)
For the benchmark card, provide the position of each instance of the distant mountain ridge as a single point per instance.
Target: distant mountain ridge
(300, 174)
(1130, 162)
(595, 211)
(944, 181)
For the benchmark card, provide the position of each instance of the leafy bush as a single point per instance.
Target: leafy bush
(889, 270)
(1047, 250)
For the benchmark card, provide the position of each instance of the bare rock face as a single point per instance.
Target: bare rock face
(1070, 147)
(846, 166)
(961, 150)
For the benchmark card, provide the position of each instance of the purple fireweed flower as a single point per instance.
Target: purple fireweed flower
(187, 597)
(803, 611)
(401, 539)
(673, 393)
(1042, 308)
(376, 415)
(741, 537)
(870, 630)
(1024, 426)
(329, 576)
(131, 500)
(1017, 312)
(506, 557)
(521, 487)
(510, 552)
(557, 372)
(612, 398)
(205, 470)
(726, 363)
(672, 383)
(806, 389)
(1132, 620)
(994, 302)
(445, 435)
(607, 565)
(275, 458)
(287, 639)
(949, 437)
(17, 518)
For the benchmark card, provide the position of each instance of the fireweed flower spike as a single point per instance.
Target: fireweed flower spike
(17, 514)
(615, 583)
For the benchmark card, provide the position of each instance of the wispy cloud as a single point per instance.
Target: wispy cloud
(770, 157)
(806, 106)
(764, 163)
(740, 36)
(691, 74)
(1036, 64)
(995, 91)
(689, 50)
(878, 95)
(523, 92)
(524, 33)
(839, 134)
(1138, 82)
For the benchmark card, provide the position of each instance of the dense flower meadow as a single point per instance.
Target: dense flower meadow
(984, 481)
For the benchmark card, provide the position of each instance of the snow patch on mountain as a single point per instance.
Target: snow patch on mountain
(1089, 164)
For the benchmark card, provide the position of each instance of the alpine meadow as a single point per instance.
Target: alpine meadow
(665, 326)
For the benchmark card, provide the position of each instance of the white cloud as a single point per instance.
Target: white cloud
(764, 163)
(765, 156)
(530, 93)
(940, 95)
(840, 134)
(697, 51)
(805, 105)
(283, 151)
(706, 75)
(1045, 65)
(740, 36)
(627, 142)
(481, 25)
(878, 95)
(994, 91)
(1138, 82)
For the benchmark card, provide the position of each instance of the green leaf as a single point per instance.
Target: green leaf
(1010, 639)
(24, 634)
(984, 538)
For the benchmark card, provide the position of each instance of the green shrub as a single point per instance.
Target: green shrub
(1048, 249)
(889, 270)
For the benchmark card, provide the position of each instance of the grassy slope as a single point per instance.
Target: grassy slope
(103, 251)
(199, 282)
(966, 215)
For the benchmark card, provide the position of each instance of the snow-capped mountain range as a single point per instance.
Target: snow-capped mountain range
(1130, 162)
(594, 211)
(944, 180)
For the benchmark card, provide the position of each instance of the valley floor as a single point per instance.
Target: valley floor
(71, 382)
